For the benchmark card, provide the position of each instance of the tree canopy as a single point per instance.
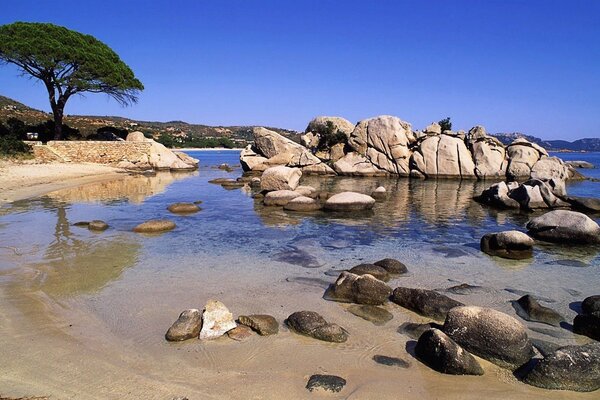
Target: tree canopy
(68, 63)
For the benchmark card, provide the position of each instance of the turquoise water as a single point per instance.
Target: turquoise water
(584, 188)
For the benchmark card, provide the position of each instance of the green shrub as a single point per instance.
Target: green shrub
(445, 124)
(329, 137)
(10, 144)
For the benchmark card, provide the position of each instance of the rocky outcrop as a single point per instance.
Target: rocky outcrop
(442, 354)
(509, 244)
(489, 154)
(443, 156)
(523, 155)
(530, 195)
(489, 334)
(568, 227)
(271, 149)
(354, 164)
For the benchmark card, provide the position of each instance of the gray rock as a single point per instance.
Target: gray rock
(155, 226)
(544, 347)
(391, 361)
(377, 315)
(379, 194)
(265, 325)
(568, 227)
(489, 334)
(585, 204)
(183, 208)
(327, 383)
(392, 266)
(466, 289)
(509, 244)
(497, 196)
(428, 303)
(442, 354)
(312, 324)
(371, 269)
(97, 225)
(349, 201)
(361, 289)
(530, 309)
(574, 368)
(302, 204)
(279, 197)
(186, 327)
(580, 164)
(280, 178)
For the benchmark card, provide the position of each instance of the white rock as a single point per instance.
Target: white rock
(216, 320)
(280, 178)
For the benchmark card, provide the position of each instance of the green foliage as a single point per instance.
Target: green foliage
(108, 133)
(329, 136)
(68, 63)
(10, 144)
(445, 124)
(195, 142)
(45, 130)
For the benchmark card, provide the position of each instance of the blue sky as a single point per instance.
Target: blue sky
(528, 66)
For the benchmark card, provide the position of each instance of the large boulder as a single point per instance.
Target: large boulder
(591, 304)
(136, 137)
(509, 244)
(489, 334)
(161, 158)
(360, 289)
(497, 195)
(428, 303)
(312, 324)
(280, 178)
(564, 227)
(355, 164)
(319, 124)
(251, 160)
(442, 354)
(443, 156)
(550, 168)
(568, 368)
(522, 155)
(588, 325)
(349, 201)
(385, 141)
(489, 154)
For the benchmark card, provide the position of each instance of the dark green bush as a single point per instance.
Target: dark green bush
(445, 124)
(10, 144)
(329, 137)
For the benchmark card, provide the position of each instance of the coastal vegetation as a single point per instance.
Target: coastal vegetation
(68, 63)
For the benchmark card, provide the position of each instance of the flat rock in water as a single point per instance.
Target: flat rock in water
(530, 309)
(97, 225)
(392, 266)
(155, 226)
(374, 314)
(82, 224)
(302, 204)
(568, 368)
(586, 204)
(186, 327)
(568, 263)
(428, 303)
(296, 256)
(439, 352)
(349, 201)
(183, 208)
(371, 269)
(466, 289)
(451, 252)
(312, 324)
(509, 244)
(328, 383)
(305, 280)
(241, 333)
(565, 227)
(263, 324)
(535, 296)
(391, 361)
(216, 320)
(414, 330)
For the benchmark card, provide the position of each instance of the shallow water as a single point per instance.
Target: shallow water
(93, 307)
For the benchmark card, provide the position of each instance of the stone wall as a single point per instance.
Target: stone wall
(101, 152)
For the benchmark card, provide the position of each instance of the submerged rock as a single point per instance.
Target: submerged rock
(312, 324)
(379, 194)
(568, 368)
(428, 303)
(374, 314)
(361, 289)
(155, 226)
(279, 197)
(186, 327)
(349, 201)
(489, 334)
(241, 333)
(97, 225)
(442, 354)
(216, 320)
(183, 208)
(528, 308)
(302, 204)
(328, 383)
(265, 325)
(371, 269)
(509, 244)
(466, 289)
(568, 227)
(414, 330)
(392, 266)
(391, 361)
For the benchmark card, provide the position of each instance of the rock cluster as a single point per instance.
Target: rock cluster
(530, 195)
(158, 157)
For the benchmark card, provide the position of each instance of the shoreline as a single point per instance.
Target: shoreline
(24, 181)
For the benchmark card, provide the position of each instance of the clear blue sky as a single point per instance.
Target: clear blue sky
(528, 66)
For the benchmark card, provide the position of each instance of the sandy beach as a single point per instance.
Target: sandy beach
(22, 181)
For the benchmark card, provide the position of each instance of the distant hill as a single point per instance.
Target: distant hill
(588, 144)
(89, 124)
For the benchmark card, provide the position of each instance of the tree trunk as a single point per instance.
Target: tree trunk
(58, 121)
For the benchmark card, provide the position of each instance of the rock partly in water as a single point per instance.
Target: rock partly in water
(371, 269)
(280, 178)
(186, 327)
(302, 204)
(349, 201)
(428, 303)
(97, 225)
(414, 330)
(155, 226)
(265, 325)
(183, 208)
(528, 308)
(379, 194)
(392, 266)
(391, 361)
(568, 227)
(489, 334)
(377, 315)
(509, 244)
(216, 320)
(580, 164)
(327, 383)
(442, 354)
(312, 324)
(585, 204)
(497, 196)
(279, 197)
(241, 333)
(574, 368)
(360, 289)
